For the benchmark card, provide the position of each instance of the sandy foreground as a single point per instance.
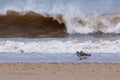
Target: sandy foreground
(59, 71)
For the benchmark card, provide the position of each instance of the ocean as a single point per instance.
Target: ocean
(59, 28)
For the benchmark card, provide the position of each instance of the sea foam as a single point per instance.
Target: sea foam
(57, 46)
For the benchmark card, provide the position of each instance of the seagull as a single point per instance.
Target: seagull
(82, 55)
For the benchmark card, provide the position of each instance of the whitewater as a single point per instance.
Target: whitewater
(56, 46)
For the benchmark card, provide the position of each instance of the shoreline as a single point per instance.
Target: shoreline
(59, 58)
(59, 71)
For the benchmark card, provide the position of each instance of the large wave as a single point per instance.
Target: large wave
(30, 25)
(77, 16)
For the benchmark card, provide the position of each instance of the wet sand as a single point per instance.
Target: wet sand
(59, 71)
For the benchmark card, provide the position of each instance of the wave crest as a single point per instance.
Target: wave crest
(29, 24)
(73, 23)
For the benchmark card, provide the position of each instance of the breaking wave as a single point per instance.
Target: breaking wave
(30, 24)
(43, 24)
(38, 17)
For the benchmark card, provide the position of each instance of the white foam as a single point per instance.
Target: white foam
(56, 46)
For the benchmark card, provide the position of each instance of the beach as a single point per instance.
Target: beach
(59, 71)
(39, 39)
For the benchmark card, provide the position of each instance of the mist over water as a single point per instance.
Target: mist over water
(62, 6)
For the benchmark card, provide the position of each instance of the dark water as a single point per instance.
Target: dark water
(30, 26)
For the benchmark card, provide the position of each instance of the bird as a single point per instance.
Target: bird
(82, 55)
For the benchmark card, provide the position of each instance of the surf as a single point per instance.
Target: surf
(59, 17)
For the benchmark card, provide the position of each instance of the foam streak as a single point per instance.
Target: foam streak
(56, 46)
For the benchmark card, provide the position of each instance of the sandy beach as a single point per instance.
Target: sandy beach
(39, 39)
(59, 71)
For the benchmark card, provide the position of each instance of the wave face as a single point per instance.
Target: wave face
(72, 16)
(30, 25)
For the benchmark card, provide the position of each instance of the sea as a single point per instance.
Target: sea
(54, 30)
